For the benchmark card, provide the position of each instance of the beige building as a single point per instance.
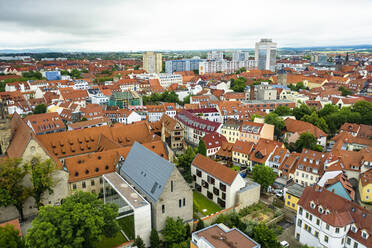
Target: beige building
(231, 130)
(152, 62)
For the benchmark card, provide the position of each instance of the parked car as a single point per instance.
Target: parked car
(284, 243)
(279, 194)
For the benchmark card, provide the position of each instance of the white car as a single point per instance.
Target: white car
(284, 243)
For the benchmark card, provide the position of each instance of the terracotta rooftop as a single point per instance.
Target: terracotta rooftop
(215, 169)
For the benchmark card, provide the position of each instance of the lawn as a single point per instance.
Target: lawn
(258, 212)
(111, 242)
(203, 203)
(127, 225)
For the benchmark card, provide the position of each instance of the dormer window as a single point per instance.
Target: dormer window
(312, 204)
(327, 211)
(354, 229)
(364, 234)
(321, 210)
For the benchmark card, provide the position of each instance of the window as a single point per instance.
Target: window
(163, 208)
(348, 241)
(92, 182)
(300, 210)
(83, 185)
(326, 238)
(74, 186)
(299, 223)
(364, 235)
(355, 244)
(209, 195)
(317, 222)
(316, 234)
(307, 228)
(223, 187)
(198, 173)
(100, 180)
(288, 203)
(171, 186)
(184, 201)
(179, 203)
(289, 196)
(337, 230)
(327, 227)
(353, 229)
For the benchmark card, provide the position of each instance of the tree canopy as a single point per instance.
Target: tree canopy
(10, 238)
(283, 111)
(307, 140)
(155, 98)
(12, 191)
(202, 148)
(238, 85)
(299, 86)
(265, 236)
(174, 231)
(263, 175)
(184, 161)
(154, 239)
(80, 221)
(345, 91)
(275, 120)
(40, 109)
(41, 177)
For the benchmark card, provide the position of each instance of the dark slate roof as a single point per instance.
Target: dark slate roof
(147, 170)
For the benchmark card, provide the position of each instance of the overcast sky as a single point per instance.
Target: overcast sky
(123, 25)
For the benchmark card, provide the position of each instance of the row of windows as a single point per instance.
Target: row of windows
(181, 203)
(83, 184)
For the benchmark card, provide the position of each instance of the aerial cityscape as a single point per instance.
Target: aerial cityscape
(173, 124)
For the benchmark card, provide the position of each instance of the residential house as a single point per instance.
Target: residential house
(45, 123)
(365, 186)
(231, 130)
(252, 131)
(325, 219)
(195, 127)
(294, 128)
(172, 132)
(213, 142)
(220, 236)
(221, 184)
(292, 195)
(241, 151)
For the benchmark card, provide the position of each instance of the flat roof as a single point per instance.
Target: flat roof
(295, 190)
(125, 190)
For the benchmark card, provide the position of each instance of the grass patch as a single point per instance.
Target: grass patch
(236, 168)
(201, 202)
(111, 242)
(127, 225)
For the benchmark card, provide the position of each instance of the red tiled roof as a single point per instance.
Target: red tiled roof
(215, 169)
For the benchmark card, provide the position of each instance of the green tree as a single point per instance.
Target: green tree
(327, 110)
(364, 108)
(299, 86)
(80, 221)
(174, 231)
(186, 100)
(138, 242)
(10, 238)
(200, 225)
(278, 122)
(238, 85)
(154, 239)
(316, 121)
(263, 175)
(41, 177)
(12, 191)
(202, 148)
(184, 161)
(136, 67)
(33, 75)
(307, 140)
(345, 91)
(265, 236)
(40, 109)
(283, 111)
(299, 112)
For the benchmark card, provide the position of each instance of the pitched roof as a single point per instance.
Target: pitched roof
(296, 126)
(341, 212)
(21, 135)
(147, 170)
(47, 122)
(213, 140)
(215, 169)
